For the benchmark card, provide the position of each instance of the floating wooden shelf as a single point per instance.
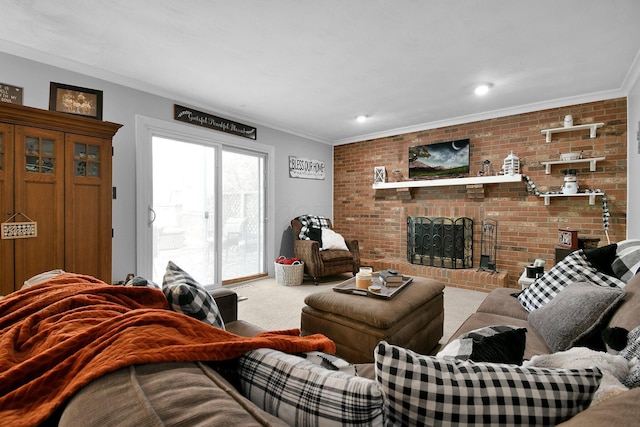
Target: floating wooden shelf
(592, 163)
(498, 179)
(591, 126)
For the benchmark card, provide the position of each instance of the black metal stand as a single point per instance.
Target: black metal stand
(488, 245)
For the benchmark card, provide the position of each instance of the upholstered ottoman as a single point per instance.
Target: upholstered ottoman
(412, 319)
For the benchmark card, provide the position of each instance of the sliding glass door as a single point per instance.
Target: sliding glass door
(206, 209)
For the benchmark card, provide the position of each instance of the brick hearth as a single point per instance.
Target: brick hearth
(460, 278)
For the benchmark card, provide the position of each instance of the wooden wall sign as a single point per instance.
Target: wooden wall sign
(19, 230)
(195, 117)
(10, 94)
(300, 167)
(568, 238)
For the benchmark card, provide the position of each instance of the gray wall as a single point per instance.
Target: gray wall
(293, 197)
(633, 161)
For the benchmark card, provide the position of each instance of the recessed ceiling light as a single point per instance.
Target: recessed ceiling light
(483, 89)
(362, 118)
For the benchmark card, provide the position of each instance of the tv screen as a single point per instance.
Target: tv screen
(439, 159)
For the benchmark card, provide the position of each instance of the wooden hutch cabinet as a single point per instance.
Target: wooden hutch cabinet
(55, 170)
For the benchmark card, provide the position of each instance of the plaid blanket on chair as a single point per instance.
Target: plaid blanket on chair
(309, 221)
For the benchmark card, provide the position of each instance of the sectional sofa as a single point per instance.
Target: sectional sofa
(272, 386)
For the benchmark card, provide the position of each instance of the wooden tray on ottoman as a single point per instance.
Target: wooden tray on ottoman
(387, 292)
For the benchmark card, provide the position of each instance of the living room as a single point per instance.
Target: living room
(77, 351)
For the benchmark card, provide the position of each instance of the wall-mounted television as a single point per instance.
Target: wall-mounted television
(440, 159)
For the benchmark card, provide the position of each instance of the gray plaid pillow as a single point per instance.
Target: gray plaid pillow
(187, 296)
(573, 268)
(424, 390)
(302, 393)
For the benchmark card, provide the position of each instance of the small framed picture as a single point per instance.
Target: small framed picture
(75, 100)
(379, 174)
(568, 238)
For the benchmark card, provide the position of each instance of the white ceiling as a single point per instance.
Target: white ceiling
(311, 66)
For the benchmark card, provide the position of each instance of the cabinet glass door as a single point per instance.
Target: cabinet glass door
(86, 160)
(39, 155)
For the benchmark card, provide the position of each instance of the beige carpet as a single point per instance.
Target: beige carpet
(275, 307)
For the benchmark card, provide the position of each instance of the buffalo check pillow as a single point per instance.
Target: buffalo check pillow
(187, 296)
(311, 221)
(496, 344)
(573, 268)
(301, 393)
(425, 390)
(627, 260)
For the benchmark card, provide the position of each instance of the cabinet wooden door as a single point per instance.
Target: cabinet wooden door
(6, 206)
(39, 197)
(88, 206)
(55, 170)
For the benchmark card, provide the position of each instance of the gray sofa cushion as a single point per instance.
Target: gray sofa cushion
(162, 394)
(575, 313)
(503, 302)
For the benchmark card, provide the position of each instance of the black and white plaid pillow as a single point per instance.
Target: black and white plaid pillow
(309, 221)
(424, 390)
(497, 344)
(302, 393)
(187, 296)
(573, 268)
(627, 260)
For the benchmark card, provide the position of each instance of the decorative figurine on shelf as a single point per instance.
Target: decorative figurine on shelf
(511, 165)
(568, 121)
(570, 185)
(379, 174)
(486, 168)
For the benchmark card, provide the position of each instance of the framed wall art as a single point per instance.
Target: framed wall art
(75, 100)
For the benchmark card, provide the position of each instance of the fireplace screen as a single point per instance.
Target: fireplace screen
(440, 242)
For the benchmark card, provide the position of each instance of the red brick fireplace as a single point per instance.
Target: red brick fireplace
(527, 227)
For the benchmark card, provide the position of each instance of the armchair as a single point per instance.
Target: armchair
(323, 263)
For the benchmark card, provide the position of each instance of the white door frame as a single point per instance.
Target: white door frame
(146, 129)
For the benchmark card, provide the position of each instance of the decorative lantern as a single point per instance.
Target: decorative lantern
(511, 165)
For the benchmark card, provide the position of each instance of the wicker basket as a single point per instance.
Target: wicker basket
(290, 274)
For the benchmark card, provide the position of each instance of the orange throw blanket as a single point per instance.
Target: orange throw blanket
(58, 336)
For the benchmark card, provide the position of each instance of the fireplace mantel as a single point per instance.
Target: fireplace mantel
(498, 179)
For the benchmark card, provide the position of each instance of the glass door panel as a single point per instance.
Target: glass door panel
(243, 214)
(184, 206)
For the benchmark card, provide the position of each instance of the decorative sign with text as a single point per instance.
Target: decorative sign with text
(10, 94)
(195, 117)
(299, 167)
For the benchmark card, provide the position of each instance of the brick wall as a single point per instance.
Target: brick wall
(527, 229)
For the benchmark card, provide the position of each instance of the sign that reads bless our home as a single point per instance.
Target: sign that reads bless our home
(299, 167)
